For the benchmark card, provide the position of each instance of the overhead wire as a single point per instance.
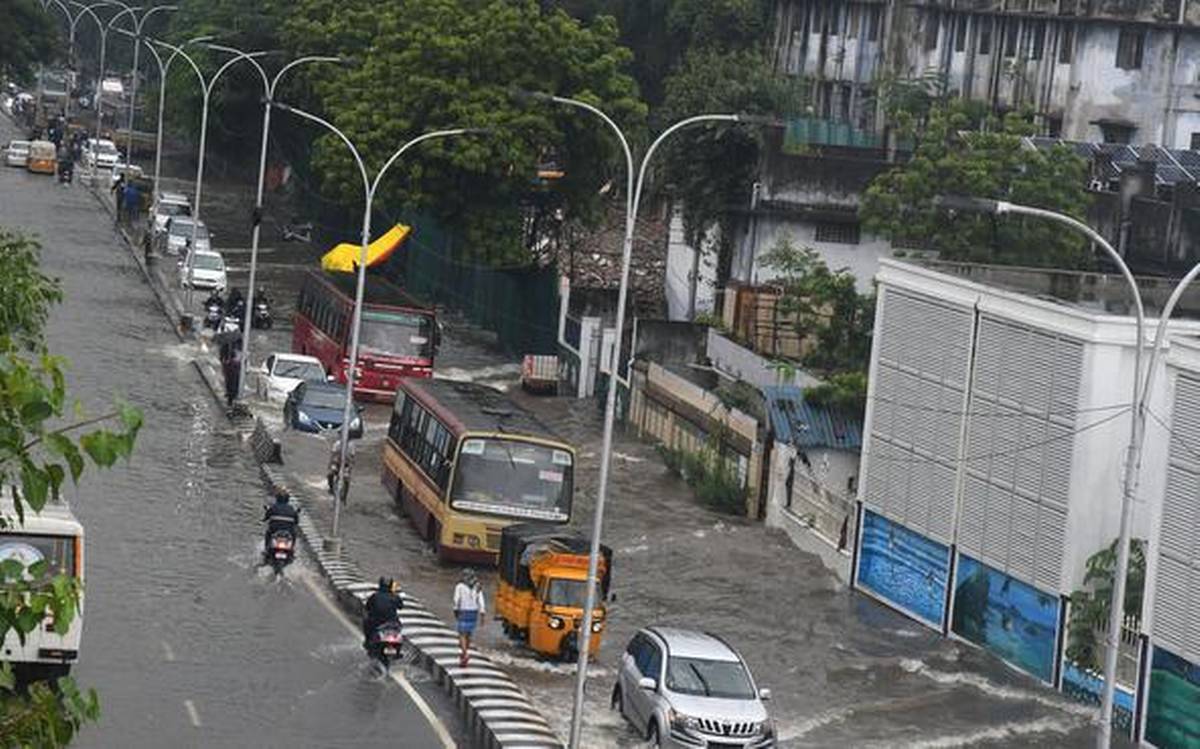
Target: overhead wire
(956, 412)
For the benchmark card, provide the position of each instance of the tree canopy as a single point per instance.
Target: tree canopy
(30, 37)
(39, 449)
(960, 152)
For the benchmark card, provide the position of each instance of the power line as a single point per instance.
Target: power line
(1182, 442)
(1001, 453)
(954, 412)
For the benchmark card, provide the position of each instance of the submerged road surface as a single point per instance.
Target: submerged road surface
(188, 643)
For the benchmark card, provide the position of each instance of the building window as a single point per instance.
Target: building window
(933, 24)
(1010, 38)
(985, 36)
(1037, 40)
(1196, 141)
(960, 36)
(1066, 45)
(1054, 127)
(1116, 132)
(837, 232)
(1130, 46)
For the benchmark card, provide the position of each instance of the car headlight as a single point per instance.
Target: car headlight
(681, 722)
(303, 418)
(767, 728)
(555, 622)
(597, 625)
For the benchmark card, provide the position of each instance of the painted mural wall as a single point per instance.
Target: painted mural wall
(904, 568)
(1012, 619)
(1087, 687)
(1173, 708)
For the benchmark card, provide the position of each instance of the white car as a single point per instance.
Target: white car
(178, 236)
(279, 375)
(128, 171)
(17, 153)
(99, 153)
(206, 271)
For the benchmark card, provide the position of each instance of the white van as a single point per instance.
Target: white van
(56, 537)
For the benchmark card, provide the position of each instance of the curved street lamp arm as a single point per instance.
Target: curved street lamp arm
(330, 127)
(1160, 332)
(125, 10)
(629, 170)
(415, 141)
(247, 56)
(230, 63)
(641, 183)
(294, 63)
(179, 51)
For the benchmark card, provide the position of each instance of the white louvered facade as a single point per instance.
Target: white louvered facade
(918, 395)
(1176, 597)
(1020, 422)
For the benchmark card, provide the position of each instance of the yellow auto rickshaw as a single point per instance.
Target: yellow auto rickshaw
(43, 157)
(542, 589)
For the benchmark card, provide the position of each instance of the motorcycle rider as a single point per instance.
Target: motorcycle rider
(215, 298)
(281, 516)
(235, 305)
(381, 608)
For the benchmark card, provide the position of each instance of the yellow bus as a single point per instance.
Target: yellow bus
(463, 461)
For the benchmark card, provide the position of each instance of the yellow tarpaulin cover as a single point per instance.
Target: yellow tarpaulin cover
(344, 258)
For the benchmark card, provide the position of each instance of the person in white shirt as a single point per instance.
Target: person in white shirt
(469, 609)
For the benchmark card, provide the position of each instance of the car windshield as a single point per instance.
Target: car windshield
(184, 229)
(19, 145)
(510, 477)
(299, 370)
(106, 149)
(325, 398)
(707, 678)
(208, 262)
(571, 593)
(173, 209)
(397, 334)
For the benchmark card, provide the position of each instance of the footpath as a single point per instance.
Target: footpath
(496, 712)
(843, 670)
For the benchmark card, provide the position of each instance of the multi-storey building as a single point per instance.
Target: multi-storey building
(1094, 70)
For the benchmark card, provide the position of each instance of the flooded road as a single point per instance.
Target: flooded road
(187, 642)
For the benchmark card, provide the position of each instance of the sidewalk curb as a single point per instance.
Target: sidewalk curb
(496, 712)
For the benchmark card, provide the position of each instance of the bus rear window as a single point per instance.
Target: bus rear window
(28, 548)
(397, 334)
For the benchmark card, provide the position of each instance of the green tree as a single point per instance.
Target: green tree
(39, 448)
(834, 322)
(429, 64)
(31, 36)
(957, 153)
(1092, 604)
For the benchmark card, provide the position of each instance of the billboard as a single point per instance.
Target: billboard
(904, 568)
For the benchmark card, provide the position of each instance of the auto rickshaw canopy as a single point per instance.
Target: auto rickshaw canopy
(344, 258)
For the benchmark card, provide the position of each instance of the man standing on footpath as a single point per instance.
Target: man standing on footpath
(118, 189)
(133, 202)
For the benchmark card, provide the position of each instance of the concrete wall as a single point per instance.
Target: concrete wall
(740, 363)
(686, 274)
(802, 528)
(862, 259)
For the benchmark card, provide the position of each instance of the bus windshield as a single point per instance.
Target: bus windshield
(397, 334)
(27, 548)
(509, 477)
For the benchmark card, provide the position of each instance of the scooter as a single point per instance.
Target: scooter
(66, 172)
(281, 550)
(386, 644)
(212, 315)
(261, 319)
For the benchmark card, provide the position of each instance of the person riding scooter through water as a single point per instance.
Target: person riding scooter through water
(215, 298)
(381, 608)
(235, 306)
(281, 516)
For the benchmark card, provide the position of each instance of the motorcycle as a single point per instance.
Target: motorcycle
(66, 172)
(261, 318)
(280, 550)
(386, 644)
(297, 232)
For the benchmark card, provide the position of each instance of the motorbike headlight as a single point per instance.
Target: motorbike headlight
(555, 622)
(597, 625)
(356, 423)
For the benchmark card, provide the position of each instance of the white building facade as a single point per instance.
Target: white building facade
(994, 444)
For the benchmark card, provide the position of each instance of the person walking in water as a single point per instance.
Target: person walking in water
(469, 609)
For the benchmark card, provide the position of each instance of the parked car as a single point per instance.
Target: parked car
(206, 271)
(175, 239)
(317, 406)
(166, 206)
(681, 688)
(17, 153)
(281, 373)
(129, 171)
(99, 153)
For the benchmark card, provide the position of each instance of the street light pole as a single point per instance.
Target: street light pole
(137, 38)
(99, 101)
(369, 189)
(83, 10)
(269, 86)
(632, 199)
(207, 87)
(1137, 432)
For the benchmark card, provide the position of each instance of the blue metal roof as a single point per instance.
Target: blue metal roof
(802, 424)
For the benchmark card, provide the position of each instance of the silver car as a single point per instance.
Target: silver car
(686, 689)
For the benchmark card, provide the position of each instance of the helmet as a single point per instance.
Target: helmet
(383, 583)
(282, 496)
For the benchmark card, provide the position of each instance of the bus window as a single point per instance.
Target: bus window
(397, 333)
(510, 477)
(57, 551)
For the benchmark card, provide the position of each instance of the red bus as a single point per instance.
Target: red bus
(399, 335)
